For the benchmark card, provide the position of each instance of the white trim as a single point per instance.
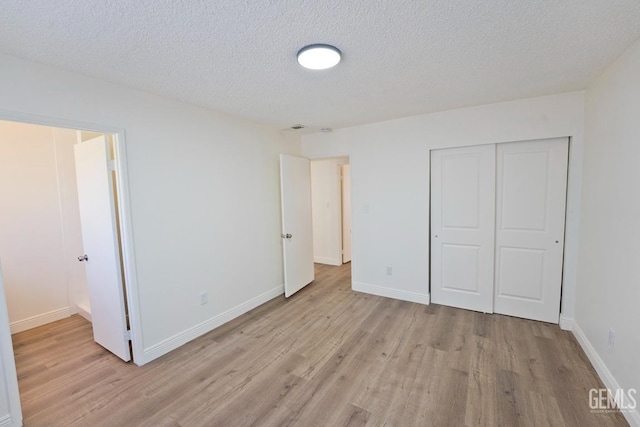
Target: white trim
(84, 312)
(633, 418)
(194, 332)
(566, 323)
(327, 260)
(39, 320)
(391, 293)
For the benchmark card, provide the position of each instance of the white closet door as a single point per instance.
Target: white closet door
(463, 227)
(530, 213)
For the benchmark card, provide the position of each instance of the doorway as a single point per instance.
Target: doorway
(50, 202)
(40, 225)
(331, 210)
(60, 187)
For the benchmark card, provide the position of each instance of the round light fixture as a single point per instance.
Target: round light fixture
(319, 56)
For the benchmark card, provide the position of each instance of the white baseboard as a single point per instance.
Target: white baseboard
(327, 260)
(633, 418)
(184, 337)
(390, 293)
(39, 320)
(566, 323)
(84, 311)
(6, 421)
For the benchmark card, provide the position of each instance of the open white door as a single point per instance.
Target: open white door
(531, 198)
(462, 227)
(346, 213)
(100, 240)
(297, 233)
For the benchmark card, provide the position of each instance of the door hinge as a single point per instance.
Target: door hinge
(127, 335)
(111, 165)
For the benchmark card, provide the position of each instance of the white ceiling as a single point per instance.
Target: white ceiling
(400, 57)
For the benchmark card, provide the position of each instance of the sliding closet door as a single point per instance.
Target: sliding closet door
(530, 213)
(462, 227)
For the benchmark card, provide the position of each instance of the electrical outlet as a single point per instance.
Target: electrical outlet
(204, 298)
(389, 271)
(612, 338)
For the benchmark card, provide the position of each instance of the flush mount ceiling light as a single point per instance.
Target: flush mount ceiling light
(319, 56)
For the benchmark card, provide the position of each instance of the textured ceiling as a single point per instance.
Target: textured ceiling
(400, 57)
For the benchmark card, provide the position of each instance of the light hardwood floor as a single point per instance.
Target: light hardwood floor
(326, 357)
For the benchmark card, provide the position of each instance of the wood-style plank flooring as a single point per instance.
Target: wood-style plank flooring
(328, 356)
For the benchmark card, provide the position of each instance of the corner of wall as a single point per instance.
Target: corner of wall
(631, 415)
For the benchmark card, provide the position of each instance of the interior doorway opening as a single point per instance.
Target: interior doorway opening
(331, 210)
(44, 232)
(43, 249)
(121, 212)
(60, 187)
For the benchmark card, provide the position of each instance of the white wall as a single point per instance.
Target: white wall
(39, 224)
(326, 208)
(204, 197)
(390, 179)
(608, 294)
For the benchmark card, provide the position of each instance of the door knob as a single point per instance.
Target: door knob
(83, 258)
(288, 236)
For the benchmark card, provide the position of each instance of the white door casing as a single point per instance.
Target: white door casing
(297, 232)
(346, 213)
(100, 241)
(530, 215)
(462, 227)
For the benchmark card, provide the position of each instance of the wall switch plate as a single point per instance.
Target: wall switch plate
(204, 298)
(389, 271)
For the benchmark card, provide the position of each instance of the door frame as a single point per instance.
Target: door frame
(124, 215)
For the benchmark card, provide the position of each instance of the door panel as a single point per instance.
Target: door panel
(297, 243)
(459, 279)
(462, 227)
(100, 241)
(530, 213)
(524, 276)
(524, 175)
(461, 191)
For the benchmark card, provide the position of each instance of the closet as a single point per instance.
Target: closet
(497, 227)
